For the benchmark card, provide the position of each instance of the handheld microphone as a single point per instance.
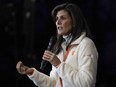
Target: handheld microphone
(50, 45)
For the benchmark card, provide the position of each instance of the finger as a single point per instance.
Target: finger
(18, 64)
(51, 59)
(49, 52)
(45, 58)
(22, 70)
(48, 55)
(48, 58)
(20, 67)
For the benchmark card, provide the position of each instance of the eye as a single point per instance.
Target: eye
(62, 17)
(56, 18)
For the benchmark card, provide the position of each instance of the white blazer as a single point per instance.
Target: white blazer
(79, 70)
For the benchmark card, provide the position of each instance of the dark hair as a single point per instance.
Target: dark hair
(79, 23)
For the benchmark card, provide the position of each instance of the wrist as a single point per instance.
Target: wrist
(31, 72)
(58, 65)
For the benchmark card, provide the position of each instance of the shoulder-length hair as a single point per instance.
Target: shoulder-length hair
(79, 23)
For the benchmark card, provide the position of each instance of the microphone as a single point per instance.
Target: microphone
(50, 45)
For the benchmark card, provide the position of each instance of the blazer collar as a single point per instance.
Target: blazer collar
(77, 41)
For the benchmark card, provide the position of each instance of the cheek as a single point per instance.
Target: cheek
(68, 26)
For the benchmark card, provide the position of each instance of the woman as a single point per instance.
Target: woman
(73, 56)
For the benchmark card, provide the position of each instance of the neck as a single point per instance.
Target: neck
(66, 36)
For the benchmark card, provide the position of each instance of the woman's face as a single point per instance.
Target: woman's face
(63, 22)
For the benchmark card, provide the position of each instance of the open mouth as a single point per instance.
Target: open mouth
(59, 28)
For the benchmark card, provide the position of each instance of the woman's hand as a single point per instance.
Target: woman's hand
(51, 57)
(22, 69)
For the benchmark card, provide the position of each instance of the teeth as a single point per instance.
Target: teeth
(59, 27)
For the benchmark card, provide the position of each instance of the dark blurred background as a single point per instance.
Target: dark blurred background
(26, 27)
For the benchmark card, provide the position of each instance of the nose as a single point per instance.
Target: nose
(58, 22)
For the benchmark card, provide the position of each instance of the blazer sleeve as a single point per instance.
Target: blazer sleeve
(42, 80)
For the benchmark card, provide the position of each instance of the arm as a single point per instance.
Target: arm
(40, 79)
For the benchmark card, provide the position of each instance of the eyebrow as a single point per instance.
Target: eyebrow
(62, 15)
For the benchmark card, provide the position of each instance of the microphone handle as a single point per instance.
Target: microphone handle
(51, 42)
(43, 64)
